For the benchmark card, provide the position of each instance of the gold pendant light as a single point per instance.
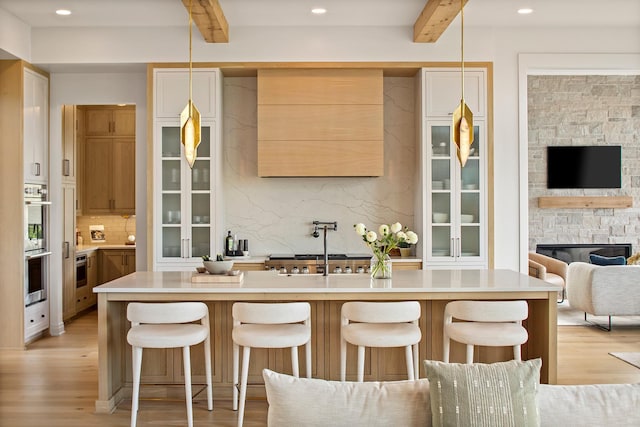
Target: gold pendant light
(462, 128)
(190, 116)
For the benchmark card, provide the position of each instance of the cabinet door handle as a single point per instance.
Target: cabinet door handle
(452, 249)
(66, 250)
(36, 169)
(89, 262)
(66, 167)
(459, 247)
(188, 248)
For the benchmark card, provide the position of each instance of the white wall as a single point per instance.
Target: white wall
(15, 37)
(88, 89)
(500, 45)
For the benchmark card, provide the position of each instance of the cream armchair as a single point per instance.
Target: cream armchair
(549, 269)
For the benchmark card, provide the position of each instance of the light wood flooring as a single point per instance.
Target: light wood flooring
(54, 382)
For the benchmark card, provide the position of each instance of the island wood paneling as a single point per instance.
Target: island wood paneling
(320, 122)
(585, 202)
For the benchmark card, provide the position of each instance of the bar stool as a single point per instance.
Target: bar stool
(380, 324)
(166, 325)
(488, 323)
(261, 325)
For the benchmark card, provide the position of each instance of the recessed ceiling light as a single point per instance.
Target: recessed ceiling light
(319, 10)
(525, 11)
(63, 12)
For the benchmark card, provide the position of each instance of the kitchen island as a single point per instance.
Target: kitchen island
(432, 288)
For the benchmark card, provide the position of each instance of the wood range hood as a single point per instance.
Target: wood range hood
(320, 123)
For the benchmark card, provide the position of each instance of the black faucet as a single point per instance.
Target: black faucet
(326, 226)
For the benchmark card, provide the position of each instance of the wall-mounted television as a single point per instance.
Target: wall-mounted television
(596, 166)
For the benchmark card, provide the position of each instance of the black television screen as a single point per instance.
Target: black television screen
(584, 167)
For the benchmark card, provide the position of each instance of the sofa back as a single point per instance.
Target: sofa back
(316, 402)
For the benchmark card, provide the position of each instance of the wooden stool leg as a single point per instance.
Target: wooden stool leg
(246, 352)
(416, 362)
(186, 358)
(446, 343)
(360, 363)
(516, 352)
(136, 353)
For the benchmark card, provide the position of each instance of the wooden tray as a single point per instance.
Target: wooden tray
(216, 278)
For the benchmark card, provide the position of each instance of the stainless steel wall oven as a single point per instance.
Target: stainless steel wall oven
(36, 215)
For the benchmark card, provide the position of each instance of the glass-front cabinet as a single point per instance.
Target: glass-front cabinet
(185, 209)
(455, 198)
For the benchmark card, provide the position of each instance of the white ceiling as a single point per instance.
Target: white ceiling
(126, 13)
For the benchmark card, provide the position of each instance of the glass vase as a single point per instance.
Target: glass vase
(381, 266)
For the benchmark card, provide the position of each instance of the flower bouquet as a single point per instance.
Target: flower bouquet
(388, 238)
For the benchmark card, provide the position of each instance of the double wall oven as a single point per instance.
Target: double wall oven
(36, 253)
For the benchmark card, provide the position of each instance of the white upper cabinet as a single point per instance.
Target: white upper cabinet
(443, 90)
(36, 127)
(172, 92)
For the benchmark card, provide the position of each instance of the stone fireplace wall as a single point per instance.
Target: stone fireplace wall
(584, 110)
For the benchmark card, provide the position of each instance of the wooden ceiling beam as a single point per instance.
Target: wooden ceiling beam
(434, 19)
(210, 20)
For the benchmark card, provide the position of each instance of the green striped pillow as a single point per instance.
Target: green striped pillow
(478, 395)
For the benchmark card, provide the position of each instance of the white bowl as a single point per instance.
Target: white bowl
(440, 217)
(218, 267)
(466, 218)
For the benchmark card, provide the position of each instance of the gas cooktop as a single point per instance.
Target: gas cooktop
(303, 257)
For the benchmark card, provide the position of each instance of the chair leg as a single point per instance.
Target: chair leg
(307, 350)
(360, 363)
(416, 362)
(136, 353)
(236, 375)
(246, 352)
(445, 348)
(207, 367)
(469, 354)
(186, 358)
(295, 367)
(408, 354)
(343, 360)
(516, 353)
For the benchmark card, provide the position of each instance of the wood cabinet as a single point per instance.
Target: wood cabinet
(36, 127)
(110, 121)
(68, 251)
(116, 263)
(109, 176)
(320, 122)
(36, 320)
(69, 143)
(454, 206)
(187, 210)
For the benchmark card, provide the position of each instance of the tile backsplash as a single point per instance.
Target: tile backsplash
(116, 227)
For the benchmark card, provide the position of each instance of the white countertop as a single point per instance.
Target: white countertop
(85, 249)
(270, 282)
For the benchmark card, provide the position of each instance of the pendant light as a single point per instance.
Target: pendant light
(462, 128)
(190, 116)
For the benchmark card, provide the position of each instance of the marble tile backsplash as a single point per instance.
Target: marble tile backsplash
(116, 227)
(275, 214)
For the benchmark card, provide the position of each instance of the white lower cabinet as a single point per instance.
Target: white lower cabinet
(36, 320)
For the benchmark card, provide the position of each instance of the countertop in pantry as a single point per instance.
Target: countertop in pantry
(86, 249)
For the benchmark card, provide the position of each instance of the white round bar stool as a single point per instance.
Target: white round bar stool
(167, 325)
(380, 324)
(486, 323)
(259, 325)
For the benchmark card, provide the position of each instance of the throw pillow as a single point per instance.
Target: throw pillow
(487, 395)
(320, 403)
(604, 260)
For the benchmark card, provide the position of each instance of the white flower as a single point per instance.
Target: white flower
(412, 237)
(383, 230)
(360, 229)
(371, 236)
(396, 227)
(401, 236)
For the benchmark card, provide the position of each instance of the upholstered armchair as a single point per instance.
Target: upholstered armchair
(549, 269)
